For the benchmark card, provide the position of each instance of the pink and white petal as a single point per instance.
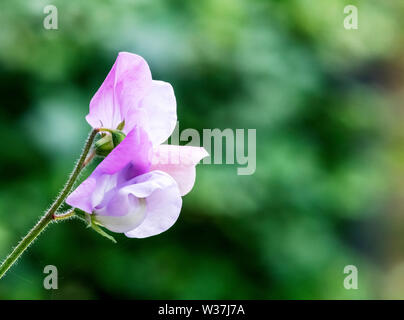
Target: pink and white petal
(135, 117)
(126, 84)
(140, 187)
(105, 184)
(103, 111)
(179, 162)
(81, 198)
(163, 203)
(133, 81)
(123, 213)
(160, 108)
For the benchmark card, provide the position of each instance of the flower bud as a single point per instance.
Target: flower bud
(117, 137)
(108, 142)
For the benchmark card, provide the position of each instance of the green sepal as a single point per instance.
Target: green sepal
(108, 142)
(95, 226)
(117, 137)
(104, 145)
(121, 126)
(81, 215)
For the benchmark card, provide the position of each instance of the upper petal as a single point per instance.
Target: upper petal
(129, 94)
(160, 109)
(179, 162)
(125, 85)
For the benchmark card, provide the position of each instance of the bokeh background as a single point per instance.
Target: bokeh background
(327, 104)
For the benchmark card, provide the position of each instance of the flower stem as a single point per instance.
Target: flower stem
(105, 130)
(63, 216)
(49, 215)
(89, 159)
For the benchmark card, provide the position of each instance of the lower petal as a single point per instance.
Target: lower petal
(163, 203)
(135, 213)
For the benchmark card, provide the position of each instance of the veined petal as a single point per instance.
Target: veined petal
(126, 84)
(179, 162)
(160, 109)
(129, 94)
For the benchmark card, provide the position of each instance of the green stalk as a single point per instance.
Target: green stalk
(63, 216)
(49, 216)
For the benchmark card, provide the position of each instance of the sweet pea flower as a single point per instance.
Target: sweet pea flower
(137, 188)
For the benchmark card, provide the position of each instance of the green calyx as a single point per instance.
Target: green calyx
(108, 141)
(91, 221)
(96, 226)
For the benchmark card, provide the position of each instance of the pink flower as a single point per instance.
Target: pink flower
(137, 188)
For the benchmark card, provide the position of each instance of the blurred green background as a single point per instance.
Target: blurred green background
(327, 104)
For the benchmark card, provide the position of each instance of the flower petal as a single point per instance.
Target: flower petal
(163, 203)
(160, 109)
(126, 84)
(179, 162)
(123, 213)
(81, 197)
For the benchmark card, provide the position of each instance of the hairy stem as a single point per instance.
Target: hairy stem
(49, 216)
(89, 159)
(63, 216)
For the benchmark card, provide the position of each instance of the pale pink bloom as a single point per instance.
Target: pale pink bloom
(128, 192)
